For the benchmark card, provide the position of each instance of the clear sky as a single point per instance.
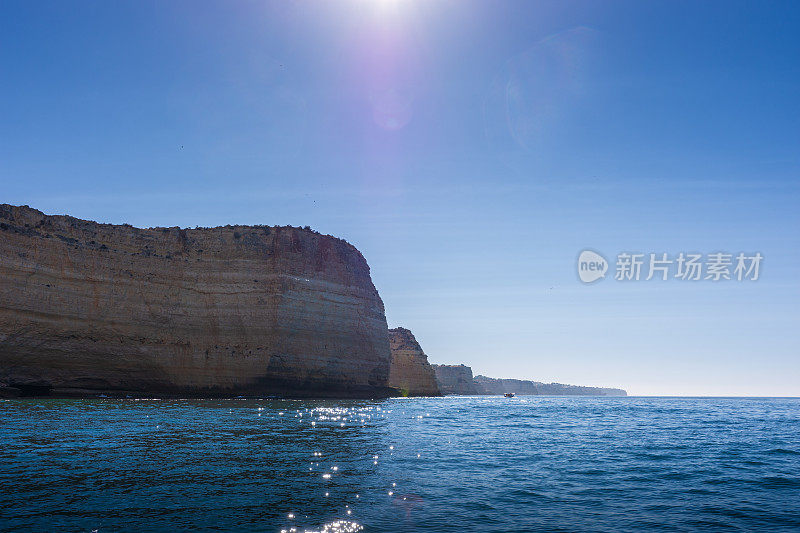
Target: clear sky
(469, 149)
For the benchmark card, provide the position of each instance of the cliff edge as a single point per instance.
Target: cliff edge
(234, 310)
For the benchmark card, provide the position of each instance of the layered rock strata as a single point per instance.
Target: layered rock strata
(410, 373)
(455, 379)
(234, 310)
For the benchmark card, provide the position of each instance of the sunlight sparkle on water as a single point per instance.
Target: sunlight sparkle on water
(340, 526)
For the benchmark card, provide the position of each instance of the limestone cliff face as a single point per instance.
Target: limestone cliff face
(250, 310)
(410, 373)
(488, 385)
(455, 379)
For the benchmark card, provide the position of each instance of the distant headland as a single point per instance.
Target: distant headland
(458, 379)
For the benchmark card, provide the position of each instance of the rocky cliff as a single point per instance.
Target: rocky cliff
(488, 385)
(235, 310)
(455, 379)
(410, 373)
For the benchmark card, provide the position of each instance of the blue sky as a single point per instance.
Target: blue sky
(469, 149)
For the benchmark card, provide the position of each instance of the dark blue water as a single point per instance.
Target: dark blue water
(442, 465)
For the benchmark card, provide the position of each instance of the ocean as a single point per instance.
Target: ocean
(453, 464)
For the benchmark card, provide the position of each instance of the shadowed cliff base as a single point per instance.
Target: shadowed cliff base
(271, 390)
(88, 308)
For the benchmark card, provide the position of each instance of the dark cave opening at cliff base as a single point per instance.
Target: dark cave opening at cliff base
(32, 390)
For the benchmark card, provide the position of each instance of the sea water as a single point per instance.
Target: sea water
(454, 464)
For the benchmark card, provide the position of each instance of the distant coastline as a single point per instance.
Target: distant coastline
(458, 380)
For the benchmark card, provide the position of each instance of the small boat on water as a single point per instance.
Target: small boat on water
(509, 395)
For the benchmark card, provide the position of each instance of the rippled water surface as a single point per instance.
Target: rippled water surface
(451, 464)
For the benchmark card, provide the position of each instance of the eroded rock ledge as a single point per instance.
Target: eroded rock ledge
(234, 310)
(410, 374)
